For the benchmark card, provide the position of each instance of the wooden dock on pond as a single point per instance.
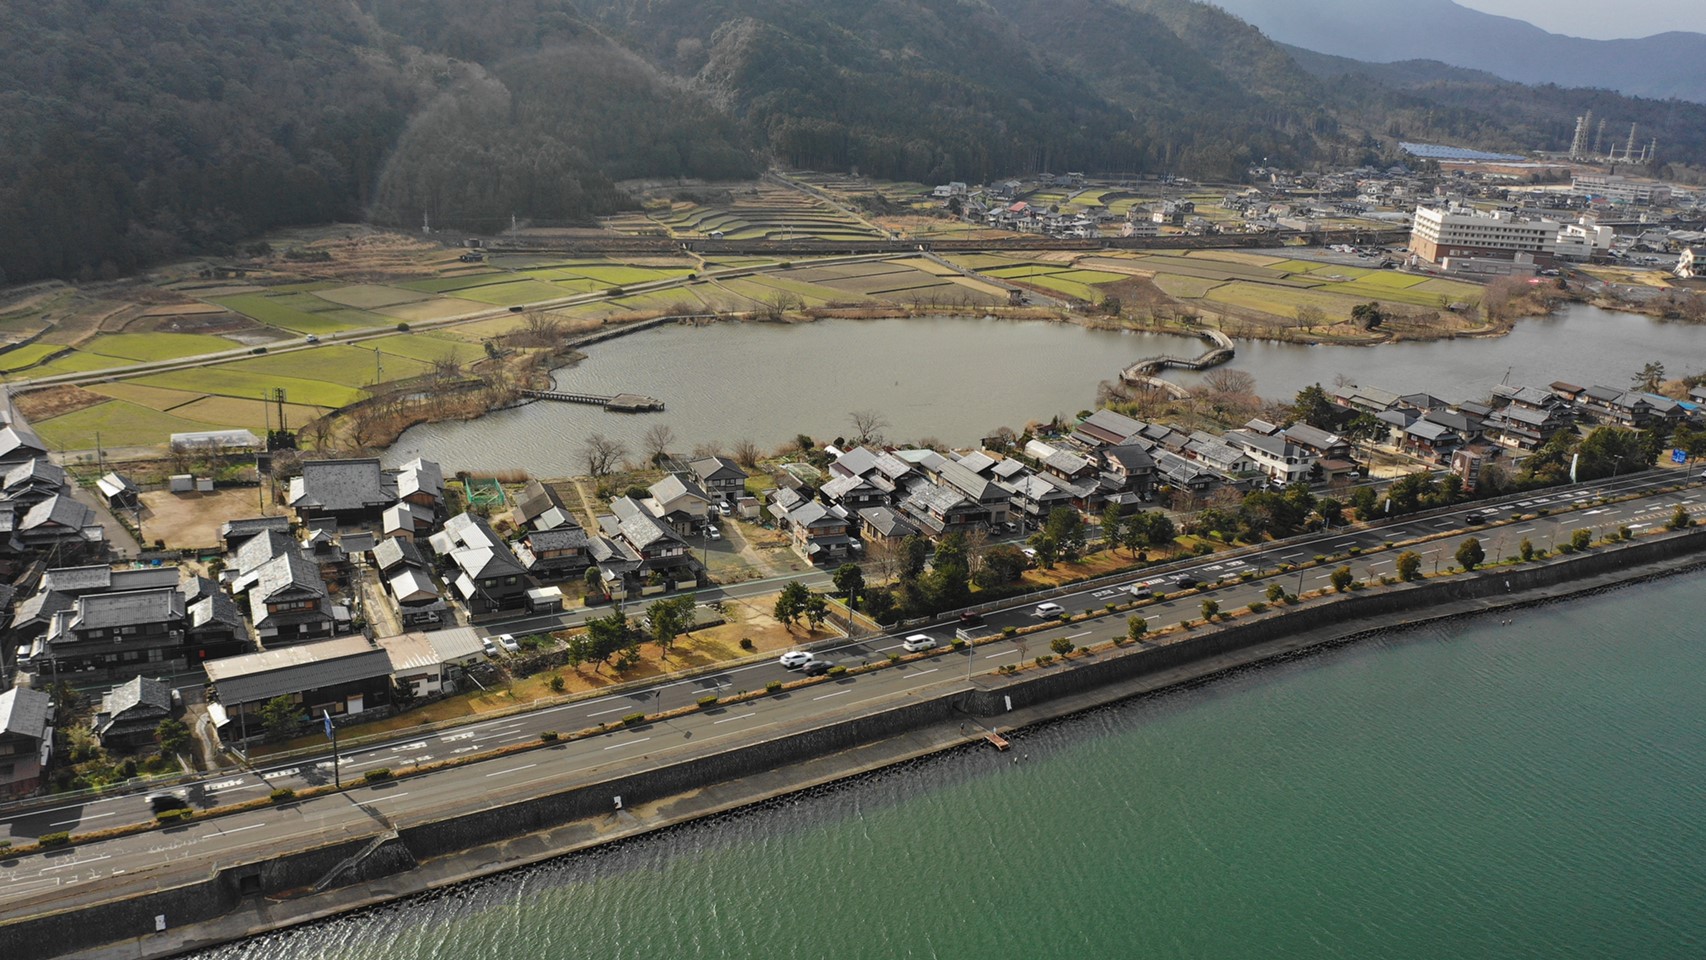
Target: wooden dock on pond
(621, 403)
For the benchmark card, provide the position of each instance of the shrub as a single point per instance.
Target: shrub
(172, 816)
(633, 718)
(1581, 539)
(1276, 592)
(1009, 631)
(49, 840)
(1062, 646)
(1112, 607)
(1320, 558)
(1257, 606)
(377, 774)
(1342, 579)
(549, 736)
(1044, 660)
(709, 700)
(746, 643)
(1210, 609)
(1625, 533)
(1526, 548)
(957, 644)
(1680, 520)
(615, 292)
(894, 658)
(1065, 618)
(402, 328)
(1354, 552)
(557, 683)
(773, 686)
(836, 672)
(282, 795)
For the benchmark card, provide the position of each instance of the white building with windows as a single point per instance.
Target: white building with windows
(1438, 233)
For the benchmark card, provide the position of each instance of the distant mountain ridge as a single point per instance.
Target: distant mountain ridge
(1665, 65)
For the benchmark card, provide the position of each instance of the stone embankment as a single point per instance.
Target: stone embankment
(239, 900)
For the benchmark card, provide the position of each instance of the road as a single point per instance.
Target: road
(421, 798)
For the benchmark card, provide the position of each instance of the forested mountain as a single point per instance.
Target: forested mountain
(136, 130)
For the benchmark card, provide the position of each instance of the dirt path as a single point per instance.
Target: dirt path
(750, 554)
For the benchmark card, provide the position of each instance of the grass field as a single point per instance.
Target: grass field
(158, 398)
(1056, 283)
(335, 364)
(440, 308)
(1237, 256)
(1188, 288)
(366, 296)
(514, 293)
(230, 381)
(116, 422)
(452, 284)
(157, 346)
(237, 412)
(292, 311)
(424, 347)
(76, 362)
(1281, 301)
(27, 356)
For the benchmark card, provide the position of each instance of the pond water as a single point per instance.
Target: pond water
(957, 379)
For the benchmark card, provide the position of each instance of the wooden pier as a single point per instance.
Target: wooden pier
(621, 403)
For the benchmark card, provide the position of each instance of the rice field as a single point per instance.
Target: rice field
(1185, 288)
(1281, 301)
(116, 422)
(27, 356)
(302, 313)
(453, 284)
(229, 380)
(145, 347)
(367, 296)
(514, 293)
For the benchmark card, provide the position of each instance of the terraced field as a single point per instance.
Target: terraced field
(766, 212)
(27, 356)
(156, 346)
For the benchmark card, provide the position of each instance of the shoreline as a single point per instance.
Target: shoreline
(1081, 693)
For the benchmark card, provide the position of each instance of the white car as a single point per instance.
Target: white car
(1049, 610)
(507, 641)
(712, 533)
(794, 659)
(724, 509)
(487, 645)
(917, 642)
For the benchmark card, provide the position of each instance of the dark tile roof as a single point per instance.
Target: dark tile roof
(344, 485)
(717, 468)
(249, 526)
(395, 552)
(24, 712)
(104, 611)
(156, 695)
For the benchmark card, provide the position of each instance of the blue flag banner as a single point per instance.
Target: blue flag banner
(328, 715)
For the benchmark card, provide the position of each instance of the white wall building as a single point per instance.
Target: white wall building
(1620, 189)
(1438, 233)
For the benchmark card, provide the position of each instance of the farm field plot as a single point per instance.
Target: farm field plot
(1367, 291)
(982, 261)
(812, 294)
(236, 412)
(850, 271)
(1237, 256)
(1455, 289)
(871, 285)
(984, 294)
(138, 425)
(333, 363)
(452, 284)
(1189, 266)
(616, 276)
(157, 346)
(1069, 288)
(367, 296)
(1390, 280)
(1281, 301)
(76, 362)
(229, 381)
(1092, 276)
(514, 293)
(425, 347)
(1187, 288)
(158, 398)
(1024, 271)
(181, 309)
(441, 308)
(299, 312)
(748, 293)
(27, 356)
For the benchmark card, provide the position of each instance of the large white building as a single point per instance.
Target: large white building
(1621, 189)
(1438, 233)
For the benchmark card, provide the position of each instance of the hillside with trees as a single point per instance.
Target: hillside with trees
(138, 131)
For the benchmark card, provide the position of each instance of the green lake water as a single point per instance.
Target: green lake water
(1533, 789)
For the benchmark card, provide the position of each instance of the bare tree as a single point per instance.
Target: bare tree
(364, 427)
(601, 454)
(319, 431)
(1310, 316)
(657, 440)
(1229, 382)
(867, 426)
(747, 453)
(977, 544)
(541, 329)
(882, 558)
(703, 451)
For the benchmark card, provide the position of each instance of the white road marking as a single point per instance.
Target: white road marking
(77, 863)
(241, 829)
(500, 773)
(274, 775)
(734, 718)
(93, 816)
(616, 746)
(465, 750)
(388, 796)
(611, 710)
(1004, 653)
(835, 694)
(460, 736)
(225, 784)
(923, 673)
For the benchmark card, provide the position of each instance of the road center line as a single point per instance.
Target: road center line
(630, 743)
(241, 829)
(835, 694)
(500, 773)
(925, 672)
(611, 710)
(95, 816)
(742, 716)
(388, 796)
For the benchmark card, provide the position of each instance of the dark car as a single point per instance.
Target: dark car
(516, 309)
(817, 668)
(1475, 518)
(167, 800)
(970, 619)
(1187, 581)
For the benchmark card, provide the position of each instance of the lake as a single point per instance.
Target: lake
(958, 379)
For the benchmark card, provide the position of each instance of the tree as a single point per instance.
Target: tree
(1210, 609)
(791, 603)
(1310, 316)
(172, 735)
(1651, 376)
(606, 635)
(1470, 554)
(849, 582)
(1047, 549)
(1136, 627)
(281, 717)
(1581, 539)
(1276, 592)
(601, 454)
(656, 441)
(402, 694)
(1066, 527)
(594, 578)
(1062, 646)
(746, 453)
(816, 610)
(579, 650)
(867, 426)
(914, 552)
(1368, 315)
(1314, 407)
(1004, 563)
(670, 619)
(1409, 565)
(1113, 524)
(1525, 549)
(1342, 579)
(1680, 520)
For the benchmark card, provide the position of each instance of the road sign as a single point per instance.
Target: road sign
(1678, 456)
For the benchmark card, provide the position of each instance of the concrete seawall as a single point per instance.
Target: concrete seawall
(230, 903)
